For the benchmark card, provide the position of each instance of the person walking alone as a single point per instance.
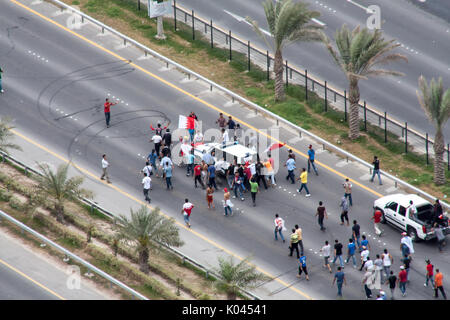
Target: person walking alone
(304, 180)
(302, 267)
(344, 212)
(186, 211)
(348, 191)
(294, 244)
(321, 213)
(105, 166)
(326, 249)
(376, 169)
(311, 157)
(147, 183)
(209, 197)
(438, 284)
(339, 278)
(107, 109)
(227, 202)
(279, 227)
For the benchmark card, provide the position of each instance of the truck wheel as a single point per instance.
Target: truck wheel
(413, 234)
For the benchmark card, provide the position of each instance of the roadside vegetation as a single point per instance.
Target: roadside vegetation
(214, 63)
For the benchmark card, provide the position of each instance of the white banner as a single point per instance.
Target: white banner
(156, 9)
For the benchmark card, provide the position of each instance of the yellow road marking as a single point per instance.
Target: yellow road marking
(30, 279)
(195, 98)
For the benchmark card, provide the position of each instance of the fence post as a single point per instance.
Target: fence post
(365, 116)
(448, 156)
(426, 147)
(268, 65)
(345, 105)
(306, 85)
(326, 100)
(193, 31)
(385, 127)
(139, 5)
(248, 60)
(212, 46)
(287, 81)
(406, 137)
(175, 14)
(229, 36)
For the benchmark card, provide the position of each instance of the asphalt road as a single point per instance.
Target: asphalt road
(28, 275)
(425, 41)
(55, 89)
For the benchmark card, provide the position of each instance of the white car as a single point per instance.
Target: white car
(418, 226)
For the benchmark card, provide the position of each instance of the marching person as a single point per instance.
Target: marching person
(107, 107)
(186, 211)
(298, 230)
(209, 197)
(227, 202)
(198, 175)
(304, 180)
(290, 164)
(326, 249)
(157, 142)
(344, 213)
(279, 227)
(158, 130)
(105, 165)
(311, 156)
(294, 244)
(438, 285)
(1, 88)
(253, 189)
(348, 191)
(351, 249)
(148, 169)
(429, 274)
(152, 159)
(221, 121)
(321, 213)
(302, 267)
(376, 169)
(339, 278)
(377, 221)
(406, 245)
(147, 183)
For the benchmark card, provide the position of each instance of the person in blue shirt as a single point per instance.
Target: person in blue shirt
(190, 163)
(152, 158)
(168, 172)
(364, 243)
(311, 157)
(290, 164)
(212, 176)
(339, 278)
(351, 252)
(302, 267)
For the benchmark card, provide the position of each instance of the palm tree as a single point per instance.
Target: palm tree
(235, 276)
(5, 136)
(58, 188)
(288, 22)
(143, 228)
(358, 53)
(436, 105)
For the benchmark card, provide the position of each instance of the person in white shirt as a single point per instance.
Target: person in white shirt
(252, 168)
(412, 210)
(225, 137)
(105, 165)
(406, 245)
(166, 162)
(148, 169)
(326, 249)
(157, 141)
(364, 256)
(147, 183)
(279, 227)
(198, 138)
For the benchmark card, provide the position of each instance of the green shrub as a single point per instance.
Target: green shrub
(15, 203)
(5, 195)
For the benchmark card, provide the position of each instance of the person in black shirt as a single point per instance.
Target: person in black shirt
(167, 138)
(230, 175)
(356, 234)
(392, 282)
(259, 176)
(376, 169)
(406, 261)
(338, 252)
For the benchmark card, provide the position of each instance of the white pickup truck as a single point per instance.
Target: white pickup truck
(418, 226)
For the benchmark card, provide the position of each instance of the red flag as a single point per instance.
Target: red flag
(274, 146)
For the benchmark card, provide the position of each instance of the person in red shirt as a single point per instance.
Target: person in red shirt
(402, 279)
(429, 274)
(107, 106)
(186, 211)
(376, 222)
(198, 175)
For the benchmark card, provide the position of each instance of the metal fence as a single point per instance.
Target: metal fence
(246, 54)
(93, 206)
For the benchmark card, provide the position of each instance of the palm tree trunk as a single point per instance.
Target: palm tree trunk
(354, 109)
(439, 149)
(278, 69)
(143, 260)
(59, 210)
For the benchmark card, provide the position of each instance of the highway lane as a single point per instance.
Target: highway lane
(29, 275)
(85, 139)
(425, 43)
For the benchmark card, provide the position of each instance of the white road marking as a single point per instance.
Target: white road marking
(360, 6)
